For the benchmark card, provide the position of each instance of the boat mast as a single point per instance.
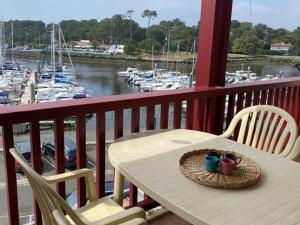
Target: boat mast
(177, 56)
(194, 64)
(168, 49)
(1, 43)
(65, 44)
(59, 42)
(152, 56)
(12, 41)
(53, 48)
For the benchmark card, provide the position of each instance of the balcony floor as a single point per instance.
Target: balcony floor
(170, 219)
(162, 216)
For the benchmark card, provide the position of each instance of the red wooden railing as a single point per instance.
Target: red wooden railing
(283, 93)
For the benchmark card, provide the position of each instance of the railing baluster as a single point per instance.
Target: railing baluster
(298, 108)
(100, 154)
(59, 153)
(150, 121)
(81, 158)
(135, 120)
(118, 123)
(276, 97)
(240, 102)
(296, 103)
(202, 111)
(135, 127)
(289, 99)
(164, 115)
(10, 174)
(248, 100)
(189, 114)
(263, 99)
(150, 125)
(177, 115)
(270, 100)
(36, 161)
(210, 120)
(239, 107)
(230, 109)
(282, 98)
(219, 114)
(256, 98)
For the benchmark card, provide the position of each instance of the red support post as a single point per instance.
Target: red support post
(36, 162)
(100, 154)
(59, 154)
(135, 127)
(81, 158)
(212, 51)
(213, 42)
(10, 174)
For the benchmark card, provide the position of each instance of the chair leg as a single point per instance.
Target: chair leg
(118, 187)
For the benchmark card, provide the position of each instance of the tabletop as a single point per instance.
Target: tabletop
(150, 160)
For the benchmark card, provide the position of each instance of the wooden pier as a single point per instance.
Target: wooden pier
(26, 96)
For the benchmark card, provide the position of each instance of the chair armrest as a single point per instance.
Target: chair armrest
(86, 173)
(135, 221)
(124, 217)
(227, 133)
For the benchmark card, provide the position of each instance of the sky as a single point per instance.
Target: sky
(274, 13)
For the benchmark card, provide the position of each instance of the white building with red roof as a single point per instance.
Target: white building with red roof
(83, 44)
(281, 47)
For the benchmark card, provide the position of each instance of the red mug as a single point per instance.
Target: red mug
(227, 166)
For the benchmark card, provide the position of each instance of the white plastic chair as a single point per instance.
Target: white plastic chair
(267, 128)
(295, 153)
(55, 210)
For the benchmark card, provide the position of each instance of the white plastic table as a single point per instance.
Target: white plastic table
(151, 162)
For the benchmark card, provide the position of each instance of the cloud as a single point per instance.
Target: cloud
(274, 13)
(269, 12)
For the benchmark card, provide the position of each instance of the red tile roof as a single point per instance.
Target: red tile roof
(282, 45)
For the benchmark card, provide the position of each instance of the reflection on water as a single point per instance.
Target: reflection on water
(264, 69)
(101, 78)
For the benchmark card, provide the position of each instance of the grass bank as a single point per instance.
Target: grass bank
(182, 57)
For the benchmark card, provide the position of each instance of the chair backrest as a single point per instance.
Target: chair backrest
(52, 205)
(295, 153)
(265, 127)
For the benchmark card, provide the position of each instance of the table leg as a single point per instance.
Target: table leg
(118, 187)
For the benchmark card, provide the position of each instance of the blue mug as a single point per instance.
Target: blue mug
(211, 164)
(212, 153)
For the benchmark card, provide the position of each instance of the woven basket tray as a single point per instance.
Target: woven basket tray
(246, 174)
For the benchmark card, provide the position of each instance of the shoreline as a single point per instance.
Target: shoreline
(146, 58)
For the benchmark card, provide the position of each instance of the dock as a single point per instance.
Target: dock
(25, 97)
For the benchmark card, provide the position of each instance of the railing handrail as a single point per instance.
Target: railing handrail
(60, 109)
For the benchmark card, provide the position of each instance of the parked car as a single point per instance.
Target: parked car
(71, 198)
(69, 151)
(24, 148)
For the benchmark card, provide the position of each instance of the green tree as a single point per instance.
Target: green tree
(151, 15)
(130, 47)
(146, 45)
(127, 15)
(156, 33)
(95, 44)
(260, 31)
(246, 45)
